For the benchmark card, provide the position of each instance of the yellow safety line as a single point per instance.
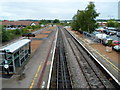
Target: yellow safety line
(107, 60)
(116, 68)
(32, 84)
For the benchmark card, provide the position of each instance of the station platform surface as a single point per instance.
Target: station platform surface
(36, 71)
(110, 65)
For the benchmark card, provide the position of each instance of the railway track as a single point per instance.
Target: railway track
(92, 73)
(60, 75)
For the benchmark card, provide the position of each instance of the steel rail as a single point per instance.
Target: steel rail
(62, 74)
(88, 66)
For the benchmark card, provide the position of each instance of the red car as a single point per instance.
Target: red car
(115, 43)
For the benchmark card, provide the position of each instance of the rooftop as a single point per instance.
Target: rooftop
(26, 23)
(15, 46)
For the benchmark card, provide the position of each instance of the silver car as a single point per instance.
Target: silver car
(117, 48)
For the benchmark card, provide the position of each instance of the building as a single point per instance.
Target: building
(14, 55)
(119, 10)
(18, 24)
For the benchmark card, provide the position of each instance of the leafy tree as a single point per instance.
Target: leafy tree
(75, 25)
(81, 20)
(112, 23)
(29, 27)
(56, 21)
(33, 27)
(5, 36)
(84, 20)
(91, 15)
(18, 32)
(43, 21)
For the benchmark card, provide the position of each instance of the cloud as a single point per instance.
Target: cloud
(58, 1)
(107, 10)
(49, 10)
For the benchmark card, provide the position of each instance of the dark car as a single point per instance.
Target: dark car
(28, 35)
(112, 32)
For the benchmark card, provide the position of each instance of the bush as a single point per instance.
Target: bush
(18, 32)
(5, 36)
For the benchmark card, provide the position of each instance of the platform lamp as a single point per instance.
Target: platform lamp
(6, 66)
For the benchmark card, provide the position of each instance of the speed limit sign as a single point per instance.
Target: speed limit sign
(6, 66)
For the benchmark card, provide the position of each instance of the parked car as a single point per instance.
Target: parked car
(28, 35)
(100, 29)
(117, 48)
(87, 34)
(115, 43)
(112, 32)
(102, 36)
(105, 31)
(111, 28)
(118, 34)
(94, 33)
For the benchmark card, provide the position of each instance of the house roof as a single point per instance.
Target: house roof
(15, 46)
(26, 23)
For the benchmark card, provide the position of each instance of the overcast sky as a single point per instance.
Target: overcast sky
(53, 9)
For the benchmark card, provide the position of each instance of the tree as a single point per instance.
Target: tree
(84, 20)
(43, 21)
(33, 27)
(29, 27)
(112, 23)
(18, 32)
(91, 15)
(74, 24)
(81, 20)
(5, 36)
(56, 21)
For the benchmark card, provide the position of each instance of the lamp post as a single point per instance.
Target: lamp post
(6, 66)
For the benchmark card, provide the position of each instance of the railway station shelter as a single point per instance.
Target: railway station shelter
(14, 55)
